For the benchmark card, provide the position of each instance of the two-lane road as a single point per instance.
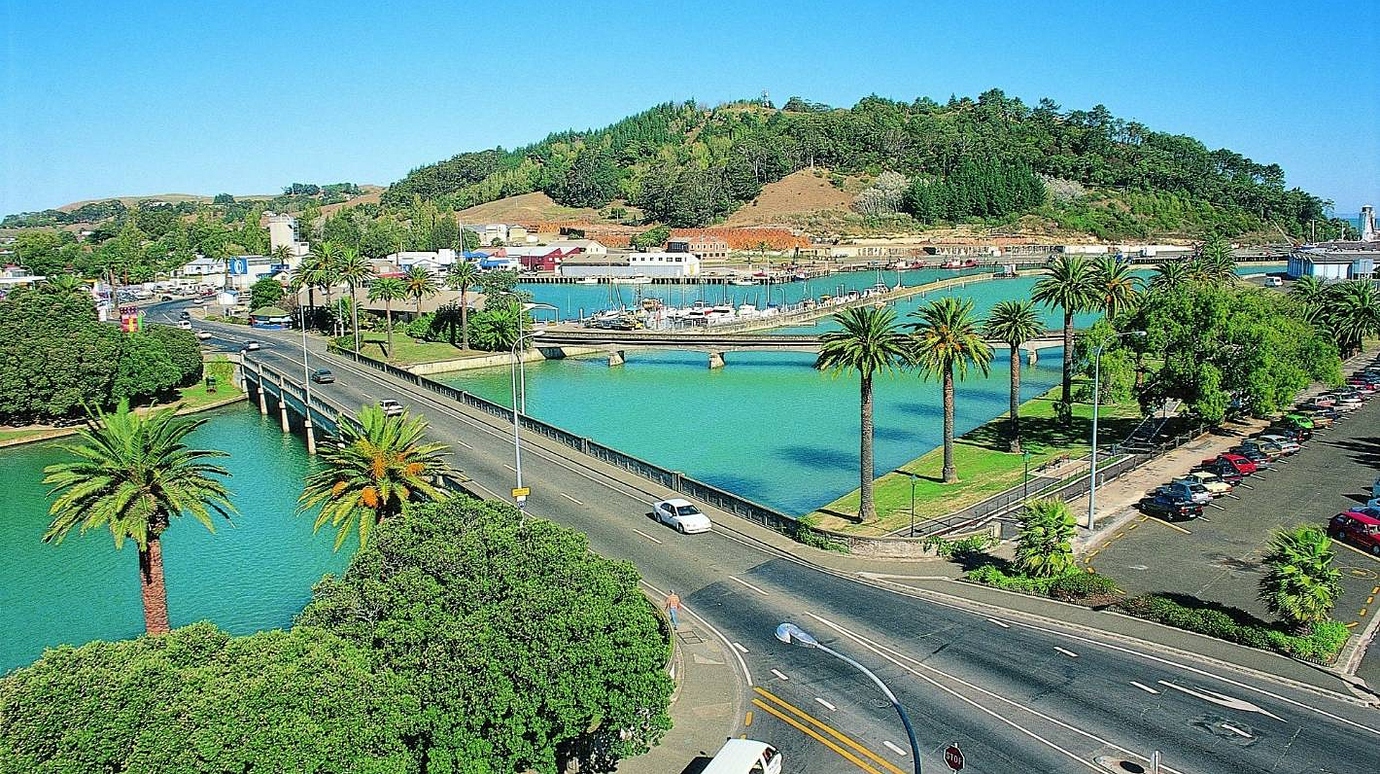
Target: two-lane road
(1018, 694)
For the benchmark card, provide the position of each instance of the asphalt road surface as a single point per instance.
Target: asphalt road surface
(1018, 694)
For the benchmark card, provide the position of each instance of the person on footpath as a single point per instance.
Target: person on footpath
(673, 608)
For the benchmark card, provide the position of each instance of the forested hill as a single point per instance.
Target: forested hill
(992, 159)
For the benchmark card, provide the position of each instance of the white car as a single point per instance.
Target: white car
(680, 514)
(1289, 447)
(1274, 282)
(391, 408)
(203, 335)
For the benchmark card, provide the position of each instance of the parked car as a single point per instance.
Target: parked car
(1361, 385)
(680, 514)
(251, 346)
(1357, 528)
(1274, 282)
(1186, 489)
(1225, 472)
(1260, 458)
(1169, 507)
(1286, 445)
(1349, 402)
(391, 408)
(1216, 485)
(1320, 403)
(322, 376)
(1237, 462)
(1291, 431)
(1270, 450)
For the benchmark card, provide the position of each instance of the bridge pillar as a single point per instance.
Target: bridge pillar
(282, 404)
(716, 360)
(617, 358)
(263, 399)
(1032, 357)
(311, 434)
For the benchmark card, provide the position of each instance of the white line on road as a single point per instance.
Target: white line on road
(510, 467)
(780, 674)
(1221, 700)
(1237, 731)
(739, 646)
(645, 535)
(999, 623)
(571, 499)
(462, 443)
(895, 749)
(825, 703)
(1068, 653)
(748, 585)
(1145, 688)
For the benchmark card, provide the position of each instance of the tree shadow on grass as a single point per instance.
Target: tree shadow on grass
(1048, 432)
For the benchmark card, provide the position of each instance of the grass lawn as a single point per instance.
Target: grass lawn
(407, 351)
(196, 395)
(985, 467)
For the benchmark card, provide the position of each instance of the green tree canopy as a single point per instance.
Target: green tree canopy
(1045, 547)
(526, 650)
(266, 292)
(1301, 585)
(57, 356)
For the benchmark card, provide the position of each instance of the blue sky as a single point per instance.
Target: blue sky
(104, 99)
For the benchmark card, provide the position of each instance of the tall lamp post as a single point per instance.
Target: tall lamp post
(520, 400)
(1097, 388)
(793, 635)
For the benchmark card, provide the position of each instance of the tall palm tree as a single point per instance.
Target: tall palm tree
(1045, 547)
(1014, 323)
(64, 285)
(870, 341)
(354, 270)
(282, 254)
(1171, 275)
(946, 339)
(1068, 284)
(1301, 585)
(1352, 311)
(1214, 262)
(325, 258)
(1312, 294)
(388, 290)
(132, 474)
(1116, 285)
(420, 284)
(463, 276)
(380, 466)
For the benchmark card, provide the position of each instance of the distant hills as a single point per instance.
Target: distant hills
(899, 165)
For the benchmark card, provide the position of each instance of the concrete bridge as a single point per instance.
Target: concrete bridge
(617, 342)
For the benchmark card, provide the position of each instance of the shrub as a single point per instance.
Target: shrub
(991, 575)
(804, 532)
(1321, 644)
(1080, 586)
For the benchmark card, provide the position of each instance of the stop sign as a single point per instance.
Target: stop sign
(954, 757)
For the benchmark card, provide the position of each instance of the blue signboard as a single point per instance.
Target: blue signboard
(238, 265)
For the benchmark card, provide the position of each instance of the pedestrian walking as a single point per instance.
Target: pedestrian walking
(673, 608)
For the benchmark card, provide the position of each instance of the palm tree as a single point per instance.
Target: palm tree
(1014, 323)
(946, 339)
(388, 290)
(282, 254)
(870, 341)
(1045, 547)
(1301, 585)
(1214, 262)
(1352, 311)
(1312, 295)
(64, 285)
(420, 284)
(378, 468)
(463, 276)
(1068, 284)
(354, 270)
(324, 273)
(1116, 285)
(132, 474)
(1171, 275)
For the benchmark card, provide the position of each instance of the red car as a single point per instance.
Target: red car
(1359, 527)
(1236, 462)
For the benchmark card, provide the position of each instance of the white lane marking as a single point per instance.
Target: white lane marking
(645, 535)
(896, 657)
(1145, 688)
(739, 646)
(571, 499)
(748, 585)
(462, 443)
(999, 623)
(510, 467)
(825, 703)
(1237, 731)
(1221, 700)
(895, 749)
(780, 674)
(1068, 653)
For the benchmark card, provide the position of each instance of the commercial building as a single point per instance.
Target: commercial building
(626, 265)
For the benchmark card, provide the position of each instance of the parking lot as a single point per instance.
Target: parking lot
(1217, 558)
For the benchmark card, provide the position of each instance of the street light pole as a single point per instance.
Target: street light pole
(791, 634)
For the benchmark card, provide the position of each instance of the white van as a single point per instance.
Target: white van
(745, 756)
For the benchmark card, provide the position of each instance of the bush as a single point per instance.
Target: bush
(805, 533)
(991, 575)
(1083, 586)
(1320, 645)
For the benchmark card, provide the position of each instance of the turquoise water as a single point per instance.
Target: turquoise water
(255, 573)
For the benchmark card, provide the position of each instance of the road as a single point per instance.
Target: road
(1018, 694)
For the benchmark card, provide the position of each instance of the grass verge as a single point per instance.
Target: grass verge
(407, 351)
(985, 465)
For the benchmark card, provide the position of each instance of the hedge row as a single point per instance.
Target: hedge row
(1321, 645)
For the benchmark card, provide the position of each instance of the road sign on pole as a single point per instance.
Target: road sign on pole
(521, 492)
(954, 757)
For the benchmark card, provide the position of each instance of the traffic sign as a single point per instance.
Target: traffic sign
(522, 491)
(954, 757)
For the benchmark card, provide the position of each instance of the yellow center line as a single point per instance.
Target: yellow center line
(833, 731)
(1362, 614)
(748, 720)
(1353, 624)
(810, 732)
(1132, 526)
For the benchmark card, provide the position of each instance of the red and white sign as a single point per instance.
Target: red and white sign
(954, 757)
